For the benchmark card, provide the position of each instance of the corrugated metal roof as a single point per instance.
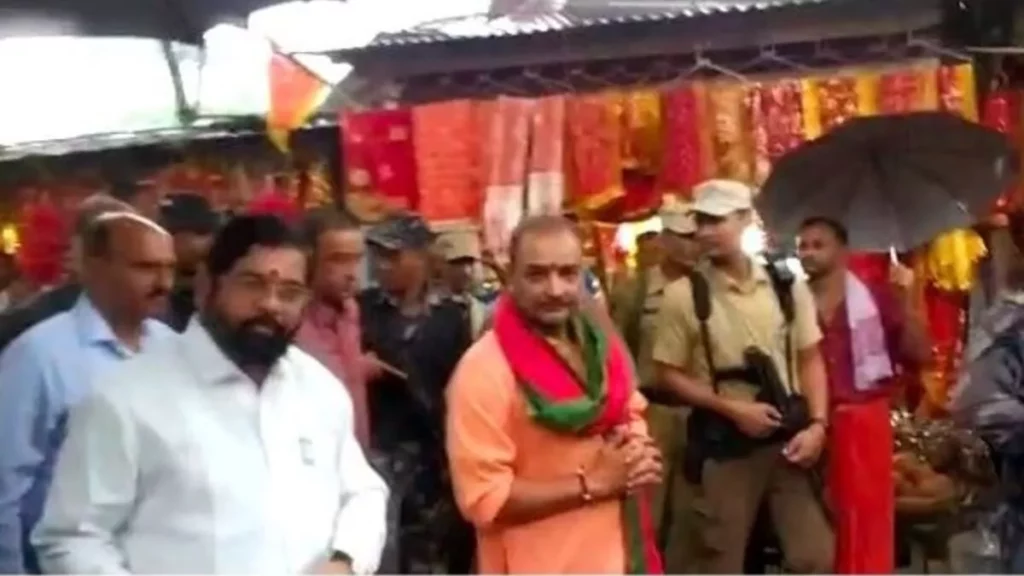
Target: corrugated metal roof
(116, 141)
(576, 15)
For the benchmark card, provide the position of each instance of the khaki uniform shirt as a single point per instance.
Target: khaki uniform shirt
(476, 313)
(743, 314)
(650, 305)
(634, 311)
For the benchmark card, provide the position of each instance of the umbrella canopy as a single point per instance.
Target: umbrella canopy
(181, 20)
(896, 181)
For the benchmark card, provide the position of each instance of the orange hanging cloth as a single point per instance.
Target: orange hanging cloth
(379, 157)
(595, 149)
(545, 192)
(446, 139)
(957, 94)
(641, 153)
(829, 103)
(642, 130)
(295, 94)
(684, 153)
(505, 131)
(732, 145)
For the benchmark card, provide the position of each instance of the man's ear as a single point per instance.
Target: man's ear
(203, 287)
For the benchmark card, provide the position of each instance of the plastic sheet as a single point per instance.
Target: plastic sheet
(995, 545)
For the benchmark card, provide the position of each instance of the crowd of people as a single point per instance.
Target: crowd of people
(211, 394)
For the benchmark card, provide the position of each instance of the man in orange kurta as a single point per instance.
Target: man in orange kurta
(546, 499)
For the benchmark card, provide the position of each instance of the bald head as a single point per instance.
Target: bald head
(539, 225)
(107, 229)
(128, 265)
(95, 206)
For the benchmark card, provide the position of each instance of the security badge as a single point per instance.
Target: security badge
(306, 451)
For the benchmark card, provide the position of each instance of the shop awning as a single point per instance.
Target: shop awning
(586, 30)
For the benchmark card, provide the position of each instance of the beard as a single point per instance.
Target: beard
(257, 342)
(813, 269)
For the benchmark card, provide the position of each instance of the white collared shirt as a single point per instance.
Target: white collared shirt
(180, 464)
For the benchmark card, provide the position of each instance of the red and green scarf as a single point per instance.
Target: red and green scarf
(559, 400)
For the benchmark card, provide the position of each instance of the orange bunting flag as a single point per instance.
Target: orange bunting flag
(295, 94)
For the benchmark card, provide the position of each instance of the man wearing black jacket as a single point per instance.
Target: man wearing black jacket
(60, 299)
(193, 222)
(420, 337)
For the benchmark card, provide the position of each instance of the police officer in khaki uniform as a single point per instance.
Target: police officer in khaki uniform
(746, 312)
(636, 301)
(636, 305)
(460, 251)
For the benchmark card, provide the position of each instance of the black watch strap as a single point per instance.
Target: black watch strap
(339, 556)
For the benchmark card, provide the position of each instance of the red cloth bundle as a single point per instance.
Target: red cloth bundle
(682, 162)
(274, 203)
(379, 156)
(998, 113)
(44, 232)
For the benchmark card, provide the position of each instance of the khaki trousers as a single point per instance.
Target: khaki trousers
(673, 500)
(726, 506)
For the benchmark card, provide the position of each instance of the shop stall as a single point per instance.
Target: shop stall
(609, 136)
(41, 183)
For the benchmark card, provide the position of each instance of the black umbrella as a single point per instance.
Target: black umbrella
(181, 20)
(896, 181)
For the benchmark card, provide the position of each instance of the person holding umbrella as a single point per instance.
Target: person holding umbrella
(888, 332)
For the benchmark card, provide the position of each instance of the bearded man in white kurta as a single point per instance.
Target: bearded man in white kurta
(227, 450)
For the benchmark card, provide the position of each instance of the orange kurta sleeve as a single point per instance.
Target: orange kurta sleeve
(481, 450)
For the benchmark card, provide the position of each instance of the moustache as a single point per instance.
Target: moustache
(157, 294)
(557, 303)
(264, 322)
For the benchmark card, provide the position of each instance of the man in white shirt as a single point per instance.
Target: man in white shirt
(228, 450)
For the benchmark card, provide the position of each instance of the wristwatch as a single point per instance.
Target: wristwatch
(339, 556)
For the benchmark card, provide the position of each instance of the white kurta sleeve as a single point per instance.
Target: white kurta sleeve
(93, 492)
(360, 529)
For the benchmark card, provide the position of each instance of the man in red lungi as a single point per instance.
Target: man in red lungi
(869, 331)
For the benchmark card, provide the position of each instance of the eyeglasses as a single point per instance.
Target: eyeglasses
(258, 288)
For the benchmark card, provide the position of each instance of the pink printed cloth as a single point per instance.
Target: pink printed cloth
(871, 362)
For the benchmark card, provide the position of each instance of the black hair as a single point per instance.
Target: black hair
(189, 213)
(96, 239)
(125, 189)
(538, 225)
(243, 233)
(327, 219)
(833, 226)
(646, 236)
